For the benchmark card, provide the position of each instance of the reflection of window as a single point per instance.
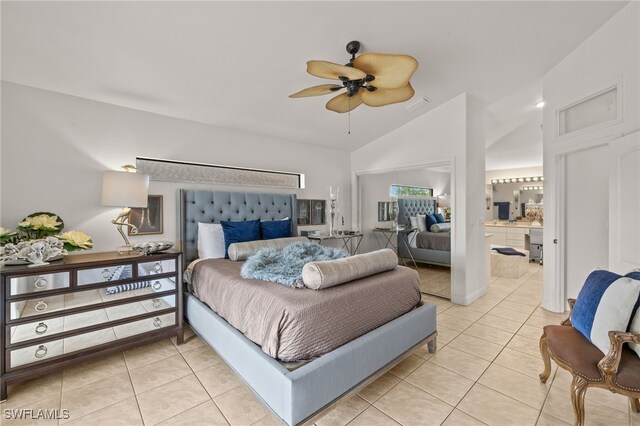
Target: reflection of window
(397, 190)
(596, 109)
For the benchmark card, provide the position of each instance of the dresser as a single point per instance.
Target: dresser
(85, 306)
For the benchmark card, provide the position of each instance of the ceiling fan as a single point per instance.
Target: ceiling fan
(373, 79)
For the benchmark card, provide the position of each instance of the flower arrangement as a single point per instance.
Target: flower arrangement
(39, 238)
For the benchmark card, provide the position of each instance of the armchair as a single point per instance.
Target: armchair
(617, 371)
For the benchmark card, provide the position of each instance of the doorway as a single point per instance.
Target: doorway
(428, 186)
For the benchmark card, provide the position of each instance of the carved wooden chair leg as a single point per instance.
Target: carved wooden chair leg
(578, 390)
(544, 351)
(432, 346)
(635, 404)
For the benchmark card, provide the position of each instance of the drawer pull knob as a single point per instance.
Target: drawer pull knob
(41, 351)
(157, 285)
(158, 267)
(41, 282)
(157, 321)
(41, 328)
(106, 273)
(41, 306)
(156, 303)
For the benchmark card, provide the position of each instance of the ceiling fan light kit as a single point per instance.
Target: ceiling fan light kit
(373, 79)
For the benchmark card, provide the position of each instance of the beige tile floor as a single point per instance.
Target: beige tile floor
(484, 372)
(435, 280)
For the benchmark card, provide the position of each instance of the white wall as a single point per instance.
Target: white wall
(55, 148)
(374, 188)
(609, 56)
(454, 133)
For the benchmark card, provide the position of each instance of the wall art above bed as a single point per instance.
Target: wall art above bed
(311, 212)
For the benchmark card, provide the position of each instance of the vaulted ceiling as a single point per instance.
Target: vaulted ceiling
(232, 64)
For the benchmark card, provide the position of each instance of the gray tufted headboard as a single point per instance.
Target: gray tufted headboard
(215, 206)
(408, 207)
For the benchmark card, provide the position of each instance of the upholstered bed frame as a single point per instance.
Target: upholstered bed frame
(302, 394)
(408, 207)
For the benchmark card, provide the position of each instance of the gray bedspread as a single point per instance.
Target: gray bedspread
(297, 324)
(434, 240)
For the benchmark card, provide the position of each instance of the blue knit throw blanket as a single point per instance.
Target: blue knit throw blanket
(284, 265)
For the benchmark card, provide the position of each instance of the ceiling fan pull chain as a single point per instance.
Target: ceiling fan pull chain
(349, 130)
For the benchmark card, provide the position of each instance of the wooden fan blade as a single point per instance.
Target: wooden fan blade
(324, 69)
(323, 89)
(390, 71)
(343, 103)
(381, 97)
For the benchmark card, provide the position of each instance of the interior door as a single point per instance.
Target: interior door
(624, 203)
(586, 215)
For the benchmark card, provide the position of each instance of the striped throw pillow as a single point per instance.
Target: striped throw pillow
(634, 327)
(605, 303)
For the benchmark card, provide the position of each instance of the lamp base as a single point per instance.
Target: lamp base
(126, 251)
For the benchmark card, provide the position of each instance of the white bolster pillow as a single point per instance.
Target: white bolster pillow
(327, 273)
(242, 251)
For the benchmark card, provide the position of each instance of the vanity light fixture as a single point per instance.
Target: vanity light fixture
(527, 180)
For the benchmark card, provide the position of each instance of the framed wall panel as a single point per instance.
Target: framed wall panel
(182, 171)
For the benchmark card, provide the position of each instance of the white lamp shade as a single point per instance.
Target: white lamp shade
(124, 189)
(443, 201)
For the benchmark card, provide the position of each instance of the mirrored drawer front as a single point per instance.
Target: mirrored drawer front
(45, 351)
(38, 306)
(142, 326)
(36, 283)
(35, 330)
(157, 267)
(105, 274)
(52, 326)
(36, 353)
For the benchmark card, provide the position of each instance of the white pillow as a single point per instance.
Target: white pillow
(242, 251)
(422, 222)
(210, 241)
(328, 273)
(414, 222)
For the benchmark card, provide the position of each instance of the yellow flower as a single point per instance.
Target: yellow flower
(41, 221)
(76, 239)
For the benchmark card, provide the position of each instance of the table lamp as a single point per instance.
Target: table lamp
(444, 203)
(124, 189)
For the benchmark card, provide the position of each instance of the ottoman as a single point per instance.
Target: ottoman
(505, 266)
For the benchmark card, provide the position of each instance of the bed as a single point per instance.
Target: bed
(427, 247)
(295, 393)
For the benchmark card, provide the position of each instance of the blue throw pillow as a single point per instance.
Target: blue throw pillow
(605, 302)
(439, 217)
(271, 229)
(239, 232)
(431, 220)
